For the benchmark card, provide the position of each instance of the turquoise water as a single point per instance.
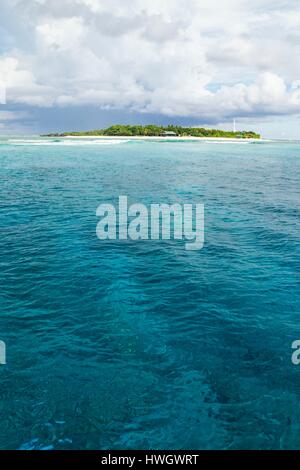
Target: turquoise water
(121, 345)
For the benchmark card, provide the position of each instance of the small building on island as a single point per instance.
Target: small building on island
(168, 134)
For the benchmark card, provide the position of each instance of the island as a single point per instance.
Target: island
(152, 130)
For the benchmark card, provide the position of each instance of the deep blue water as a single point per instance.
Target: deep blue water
(118, 345)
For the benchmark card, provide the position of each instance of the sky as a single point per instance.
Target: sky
(87, 64)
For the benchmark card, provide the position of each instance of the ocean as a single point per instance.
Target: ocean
(142, 344)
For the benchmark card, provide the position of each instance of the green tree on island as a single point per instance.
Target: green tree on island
(152, 130)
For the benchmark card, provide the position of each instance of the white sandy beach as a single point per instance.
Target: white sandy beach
(159, 138)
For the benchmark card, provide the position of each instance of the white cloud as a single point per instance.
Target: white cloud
(62, 34)
(12, 115)
(207, 60)
(20, 84)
